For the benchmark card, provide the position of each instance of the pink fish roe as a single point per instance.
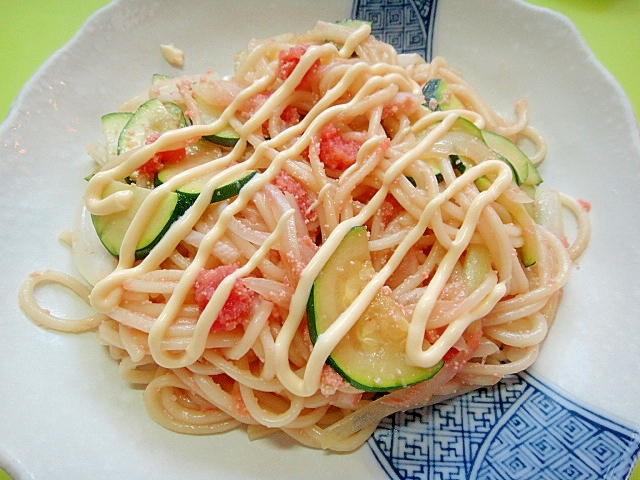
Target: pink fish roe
(238, 305)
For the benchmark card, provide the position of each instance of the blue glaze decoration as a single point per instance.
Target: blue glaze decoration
(518, 429)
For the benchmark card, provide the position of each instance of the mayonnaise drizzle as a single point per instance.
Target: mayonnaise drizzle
(420, 212)
(383, 82)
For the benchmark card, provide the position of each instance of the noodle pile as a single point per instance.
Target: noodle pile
(213, 323)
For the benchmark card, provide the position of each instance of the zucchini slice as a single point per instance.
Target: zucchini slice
(353, 23)
(192, 189)
(158, 78)
(504, 149)
(476, 265)
(461, 163)
(112, 125)
(438, 96)
(371, 356)
(227, 137)
(467, 126)
(151, 118)
(524, 169)
(529, 249)
(112, 228)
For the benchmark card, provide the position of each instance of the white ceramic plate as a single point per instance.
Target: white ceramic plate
(65, 413)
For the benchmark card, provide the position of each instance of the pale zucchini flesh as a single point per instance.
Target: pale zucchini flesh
(438, 95)
(371, 356)
(227, 136)
(112, 228)
(151, 118)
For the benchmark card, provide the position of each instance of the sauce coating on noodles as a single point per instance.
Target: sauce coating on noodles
(213, 321)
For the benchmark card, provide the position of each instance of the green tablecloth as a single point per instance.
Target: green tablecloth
(30, 31)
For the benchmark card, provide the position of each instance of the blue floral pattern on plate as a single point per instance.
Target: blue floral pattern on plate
(518, 429)
(405, 24)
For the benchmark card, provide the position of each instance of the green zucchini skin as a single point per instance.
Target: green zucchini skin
(227, 137)
(528, 253)
(192, 190)
(438, 96)
(231, 189)
(524, 169)
(112, 228)
(151, 118)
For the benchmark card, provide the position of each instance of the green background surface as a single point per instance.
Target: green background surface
(32, 30)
